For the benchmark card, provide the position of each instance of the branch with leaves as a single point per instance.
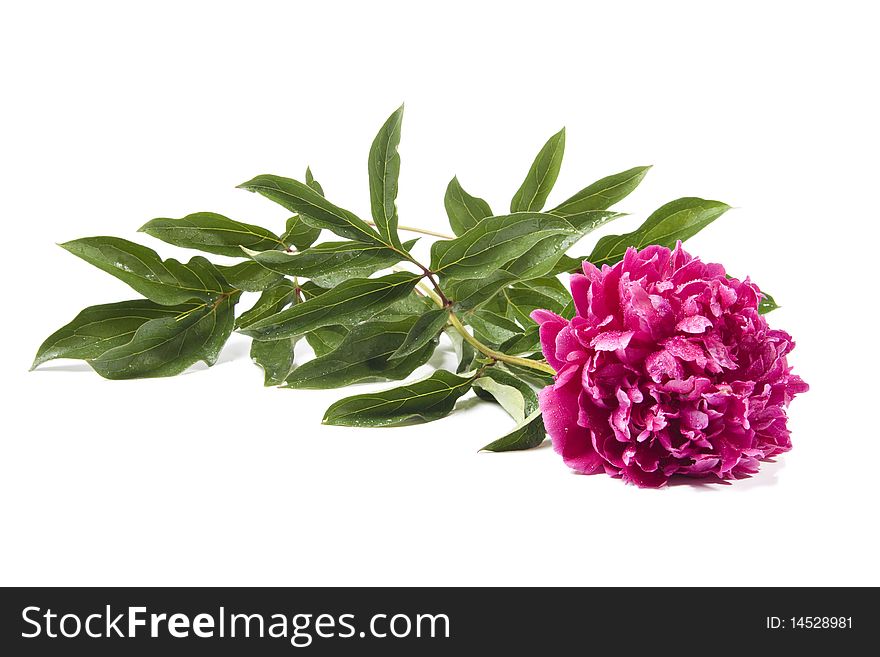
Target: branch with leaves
(366, 306)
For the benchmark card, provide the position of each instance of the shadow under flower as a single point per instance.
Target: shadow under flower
(767, 475)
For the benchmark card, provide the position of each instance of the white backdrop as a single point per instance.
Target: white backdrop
(113, 115)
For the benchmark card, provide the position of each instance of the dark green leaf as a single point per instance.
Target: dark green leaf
(168, 345)
(493, 242)
(464, 211)
(533, 193)
(313, 208)
(312, 183)
(272, 300)
(527, 342)
(497, 320)
(411, 304)
(384, 171)
(674, 221)
(299, 234)
(472, 292)
(767, 304)
(603, 193)
(567, 265)
(311, 290)
(523, 300)
(167, 282)
(491, 328)
(542, 258)
(213, 233)
(363, 355)
(275, 357)
(326, 339)
(350, 302)
(426, 329)
(528, 434)
(249, 276)
(531, 375)
(548, 286)
(425, 400)
(330, 263)
(98, 329)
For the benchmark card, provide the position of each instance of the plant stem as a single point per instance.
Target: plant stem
(440, 299)
(497, 355)
(423, 231)
(433, 295)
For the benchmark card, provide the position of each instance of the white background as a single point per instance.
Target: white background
(113, 115)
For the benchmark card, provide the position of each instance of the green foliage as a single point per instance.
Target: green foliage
(362, 321)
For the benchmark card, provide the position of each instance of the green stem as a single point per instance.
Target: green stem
(423, 231)
(497, 355)
(440, 299)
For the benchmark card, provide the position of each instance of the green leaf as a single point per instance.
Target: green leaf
(411, 304)
(299, 234)
(464, 211)
(100, 328)
(248, 276)
(384, 171)
(540, 379)
(493, 242)
(330, 263)
(167, 282)
(272, 300)
(363, 355)
(567, 265)
(767, 304)
(326, 339)
(350, 302)
(548, 286)
(527, 342)
(275, 357)
(426, 329)
(312, 183)
(311, 290)
(425, 400)
(533, 193)
(603, 193)
(167, 346)
(542, 258)
(674, 221)
(527, 434)
(313, 208)
(492, 328)
(514, 395)
(464, 352)
(497, 320)
(213, 233)
(472, 292)
(523, 300)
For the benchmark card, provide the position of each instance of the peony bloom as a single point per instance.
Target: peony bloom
(667, 368)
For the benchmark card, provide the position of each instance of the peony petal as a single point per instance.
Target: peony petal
(543, 316)
(559, 408)
(611, 340)
(580, 292)
(694, 324)
(662, 364)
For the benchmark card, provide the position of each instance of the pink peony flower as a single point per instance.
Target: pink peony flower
(667, 368)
